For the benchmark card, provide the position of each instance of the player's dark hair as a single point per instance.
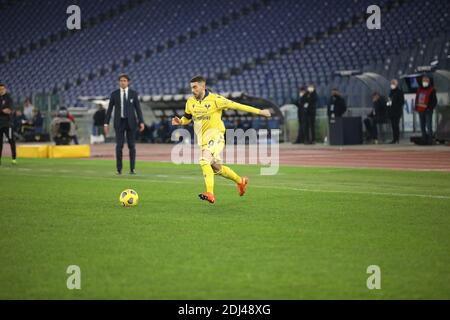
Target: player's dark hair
(198, 79)
(124, 75)
(2, 85)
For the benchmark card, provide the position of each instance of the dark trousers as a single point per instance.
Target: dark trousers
(371, 127)
(395, 122)
(8, 132)
(426, 125)
(301, 129)
(310, 128)
(123, 129)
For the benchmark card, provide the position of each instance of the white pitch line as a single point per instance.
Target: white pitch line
(374, 193)
(369, 193)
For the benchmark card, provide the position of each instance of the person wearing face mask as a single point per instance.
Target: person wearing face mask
(426, 101)
(395, 105)
(336, 107)
(301, 115)
(310, 115)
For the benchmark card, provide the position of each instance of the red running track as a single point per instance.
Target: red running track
(407, 157)
(404, 157)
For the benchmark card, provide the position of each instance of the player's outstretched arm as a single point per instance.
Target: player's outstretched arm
(265, 113)
(228, 104)
(242, 107)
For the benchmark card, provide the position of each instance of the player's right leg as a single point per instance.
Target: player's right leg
(208, 175)
(119, 148)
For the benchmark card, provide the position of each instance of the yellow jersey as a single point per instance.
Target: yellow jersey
(207, 114)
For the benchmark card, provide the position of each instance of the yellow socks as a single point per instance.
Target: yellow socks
(229, 174)
(208, 174)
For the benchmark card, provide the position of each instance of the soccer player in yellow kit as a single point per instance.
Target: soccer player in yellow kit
(205, 109)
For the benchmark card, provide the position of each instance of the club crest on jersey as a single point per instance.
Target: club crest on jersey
(207, 106)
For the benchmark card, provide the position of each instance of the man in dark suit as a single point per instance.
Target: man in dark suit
(310, 115)
(301, 115)
(125, 103)
(396, 103)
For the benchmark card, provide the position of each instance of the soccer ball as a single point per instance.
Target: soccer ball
(129, 198)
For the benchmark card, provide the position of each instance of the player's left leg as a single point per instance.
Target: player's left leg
(229, 174)
(131, 142)
(225, 171)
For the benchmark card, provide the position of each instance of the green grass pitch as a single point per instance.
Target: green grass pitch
(306, 233)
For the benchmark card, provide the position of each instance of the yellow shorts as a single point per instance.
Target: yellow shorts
(215, 146)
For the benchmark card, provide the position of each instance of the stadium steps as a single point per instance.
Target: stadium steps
(299, 45)
(164, 45)
(65, 33)
(403, 61)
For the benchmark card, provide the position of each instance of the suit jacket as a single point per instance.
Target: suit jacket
(134, 108)
(301, 106)
(311, 99)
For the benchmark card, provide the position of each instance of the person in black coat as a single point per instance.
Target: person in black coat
(127, 116)
(395, 109)
(337, 106)
(99, 120)
(310, 115)
(301, 115)
(376, 116)
(6, 122)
